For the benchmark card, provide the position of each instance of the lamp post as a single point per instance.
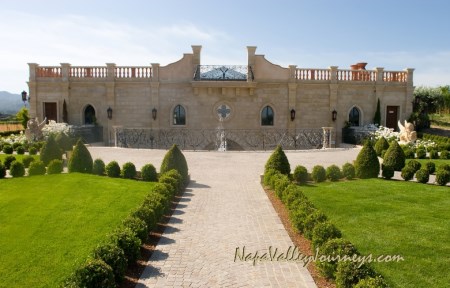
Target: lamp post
(334, 115)
(25, 98)
(109, 112)
(292, 114)
(154, 111)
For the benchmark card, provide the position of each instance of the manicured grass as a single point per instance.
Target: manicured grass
(393, 218)
(50, 224)
(18, 157)
(437, 162)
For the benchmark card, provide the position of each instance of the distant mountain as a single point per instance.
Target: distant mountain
(10, 103)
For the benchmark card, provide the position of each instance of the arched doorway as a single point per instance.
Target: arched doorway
(89, 115)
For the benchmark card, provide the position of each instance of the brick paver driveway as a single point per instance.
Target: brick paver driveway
(223, 208)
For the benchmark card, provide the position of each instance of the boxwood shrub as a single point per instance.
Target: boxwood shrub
(292, 193)
(112, 255)
(408, 173)
(8, 149)
(26, 160)
(2, 171)
(113, 169)
(177, 176)
(333, 173)
(323, 232)
(311, 221)
(32, 151)
(372, 282)
(299, 214)
(434, 154)
(445, 155)
(173, 183)
(278, 161)
(414, 164)
(148, 173)
(387, 172)
(16, 169)
(333, 248)
(409, 154)
(98, 167)
(300, 174)
(268, 176)
(381, 145)
(431, 167)
(318, 174)
(394, 157)
(348, 274)
(442, 177)
(8, 160)
(422, 175)
(138, 226)
(348, 171)
(147, 215)
(421, 153)
(81, 159)
(20, 150)
(50, 151)
(93, 274)
(280, 185)
(128, 170)
(36, 168)
(174, 159)
(367, 164)
(128, 242)
(55, 167)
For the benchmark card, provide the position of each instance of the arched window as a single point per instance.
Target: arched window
(267, 116)
(179, 115)
(89, 115)
(353, 117)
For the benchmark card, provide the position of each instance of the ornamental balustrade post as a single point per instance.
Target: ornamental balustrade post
(333, 73)
(65, 71)
(292, 73)
(110, 71)
(380, 72)
(155, 72)
(409, 79)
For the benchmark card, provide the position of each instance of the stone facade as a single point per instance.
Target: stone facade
(146, 97)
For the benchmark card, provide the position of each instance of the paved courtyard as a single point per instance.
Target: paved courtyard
(223, 208)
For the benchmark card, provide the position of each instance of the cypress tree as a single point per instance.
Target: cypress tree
(367, 164)
(81, 159)
(377, 117)
(394, 157)
(278, 161)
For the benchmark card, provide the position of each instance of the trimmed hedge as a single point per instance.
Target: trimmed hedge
(434, 154)
(16, 169)
(333, 173)
(278, 161)
(444, 155)
(147, 215)
(20, 150)
(8, 149)
(318, 174)
(387, 172)
(8, 160)
(98, 167)
(138, 226)
(174, 159)
(422, 175)
(93, 274)
(148, 173)
(408, 173)
(300, 174)
(334, 247)
(394, 157)
(367, 164)
(36, 168)
(128, 170)
(348, 171)
(50, 151)
(281, 184)
(26, 160)
(32, 151)
(421, 153)
(55, 167)
(81, 159)
(311, 221)
(113, 169)
(414, 164)
(348, 274)
(113, 256)
(323, 232)
(2, 171)
(431, 167)
(128, 242)
(442, 177)
(372, 282)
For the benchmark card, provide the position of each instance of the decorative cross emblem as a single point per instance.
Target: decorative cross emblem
(223, 111)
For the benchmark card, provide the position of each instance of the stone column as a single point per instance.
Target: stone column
(196, 49)
(328, 141)
(32, 90)
(333, 73)
(108, 131)
(292, 87)
(409, 97)
(251, 62)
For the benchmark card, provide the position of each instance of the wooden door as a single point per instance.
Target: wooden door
(50, 111)
(392, 117)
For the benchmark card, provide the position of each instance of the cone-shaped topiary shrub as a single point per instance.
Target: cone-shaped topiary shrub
(98, 167)
(278, 161)
(422, 175)
(55, 167)
(113, 169)
(394, 157)
(64, 141)
(348, 171)
(128, 170)
(50, 151)
(367, 164)
(36, 168)
(81, 159)
(318, 174)
(333, 173)
(174, 159)
(148, 173)
(17, 169)
(381, 145)
(300, 174)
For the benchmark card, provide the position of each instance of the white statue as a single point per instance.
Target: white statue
(34, 129)
(407, 133)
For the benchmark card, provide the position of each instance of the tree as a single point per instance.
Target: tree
(377, 117)
(174, 159)
(278, 161)
(23, 117)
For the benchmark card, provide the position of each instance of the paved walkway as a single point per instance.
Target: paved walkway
(223, 208)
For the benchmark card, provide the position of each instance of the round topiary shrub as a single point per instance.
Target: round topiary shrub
(408, 173)
(394, 157)
(442, 177)
(8, 149)
(323, 232)
(381, 145)
(113, 169)
(93, 274)
(299, 213)
(148, 173)
(444, 167)
(409, 154)
(64, 141)
(147, 215)
(129, 242)
(175, 175)
(98, 167)
(311, 221)
(349, 273)
(8, 160)
(334, 247)
(128, 170)
(138, 226)
(278, 161)
(372, 282)
(414, 164)
(434, 154)
(422, 175)
(114, 256)
(300, 174)
(367, 164)
(36, 168)
(431, 167)
(318, 174)
(173, 184)
(421, 153)
(174, 159)
(26, 160)
(333, 173)
(16, 169)
(50, 151)
(55, 167)
(15, 145)
(81, 159)
(32, 151)
(348, 171)
(387, 172)
(20, 150)
(268, 176)
(445, 155)
(2, 171)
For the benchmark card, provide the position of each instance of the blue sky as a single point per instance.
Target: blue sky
(394, 34)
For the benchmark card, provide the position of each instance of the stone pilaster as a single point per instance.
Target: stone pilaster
(292, 87)
(251, 50)
(32, 89)
(155, 72)
(155, 104)
(196, 49)
(333, 73)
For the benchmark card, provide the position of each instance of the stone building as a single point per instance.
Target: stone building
(253, 106)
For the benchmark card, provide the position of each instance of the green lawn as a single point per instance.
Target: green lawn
(437, 162)
(18, 157)
(49, 224)
(393, 218)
